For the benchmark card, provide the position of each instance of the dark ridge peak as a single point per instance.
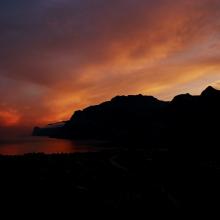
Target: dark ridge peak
(133, 97)
(182, 97)
(210, 91)
(186, 95)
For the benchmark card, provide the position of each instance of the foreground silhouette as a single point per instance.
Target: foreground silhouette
(162, 157)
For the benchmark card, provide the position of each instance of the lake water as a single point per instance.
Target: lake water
(25, 145)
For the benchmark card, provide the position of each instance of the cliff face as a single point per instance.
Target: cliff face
(147, 119)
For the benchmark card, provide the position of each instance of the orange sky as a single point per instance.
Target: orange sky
(58, 56)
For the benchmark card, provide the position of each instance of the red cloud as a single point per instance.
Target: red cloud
(9, 118)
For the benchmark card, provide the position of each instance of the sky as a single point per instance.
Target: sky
(58, 56)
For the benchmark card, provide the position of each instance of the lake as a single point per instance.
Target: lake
(25, 145)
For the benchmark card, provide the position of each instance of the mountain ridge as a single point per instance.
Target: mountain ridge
(143, 118)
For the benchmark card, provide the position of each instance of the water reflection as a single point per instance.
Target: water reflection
(26, 145)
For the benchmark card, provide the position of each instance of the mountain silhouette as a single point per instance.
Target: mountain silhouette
(113, 119)
(210, 91)
(145, 119)
(162, 156)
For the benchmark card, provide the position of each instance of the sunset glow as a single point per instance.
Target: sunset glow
(60, 56)
(9, 119)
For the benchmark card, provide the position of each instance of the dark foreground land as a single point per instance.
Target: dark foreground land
(166, 160)
(126, 181)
